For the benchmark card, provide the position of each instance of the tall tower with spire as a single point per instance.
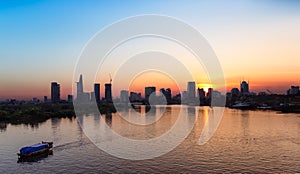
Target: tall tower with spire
(79, 87)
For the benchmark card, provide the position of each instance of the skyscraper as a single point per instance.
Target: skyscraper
(97, 91)
(294, 90)
(80, 87)
(244, 87)
(148, 91)
(209, 92)
(55, 92)
(191, 88)
(135, 97)
(70, 98)
(82, 97)
(201, 95)
(235, 92)
(168, 95)
(108, 96)
(124, 96)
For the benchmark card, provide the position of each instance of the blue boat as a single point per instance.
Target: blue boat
(36, 149)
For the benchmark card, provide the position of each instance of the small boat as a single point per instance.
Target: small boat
(264, 107)
(241, 106)
(36, 149)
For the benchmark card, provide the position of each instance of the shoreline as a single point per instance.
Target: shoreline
(37, 113)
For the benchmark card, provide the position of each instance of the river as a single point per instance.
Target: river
(245, 141)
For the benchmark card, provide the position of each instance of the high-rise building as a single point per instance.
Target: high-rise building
(108, 95)
(70, 98)
(45, 99)
(55, 92)
(97, 91)
(201, 95)
(294, 90)
(35, 100)
(82, 97)
(235, 92)
(80, 87)
(163, 91)
(168, 95)
(244, 87)
(184, 97)
(124, 96)
(135, 97)
(209, 92)
(148, 91)
(191, 88)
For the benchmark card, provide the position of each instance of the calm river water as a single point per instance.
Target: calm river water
(245, 141)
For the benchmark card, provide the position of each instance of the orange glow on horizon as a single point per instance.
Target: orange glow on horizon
(205, 86)
(156, 79)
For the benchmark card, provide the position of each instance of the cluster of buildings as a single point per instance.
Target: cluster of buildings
(82, 96)
(191, 95)
(93, 96)
(55, 95)
(294, 90)
(243, 91)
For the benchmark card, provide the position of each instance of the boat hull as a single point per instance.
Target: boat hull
(35, 150)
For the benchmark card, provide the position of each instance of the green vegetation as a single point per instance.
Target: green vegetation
(35, 113)
(31, 113)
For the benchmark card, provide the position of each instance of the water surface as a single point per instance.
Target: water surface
(245, 141)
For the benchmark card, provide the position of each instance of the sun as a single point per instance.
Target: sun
(205, 86)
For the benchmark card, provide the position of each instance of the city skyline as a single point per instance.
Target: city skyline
(107, 94)
(192, 90)
(253, 40)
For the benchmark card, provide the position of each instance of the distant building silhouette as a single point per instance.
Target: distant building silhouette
(176, 99)
(201, 95)
(55, 92)
(70, 98)
(80, 87)
(209, 93)
(244, 87)
(135, 97)
(168, 95)
(191, 88)
(35, 100)
(45, 99)
(108, 95)
(262, 93)
(184, 97)
(148, 91)
(124, 96)
(235, 92)
(191, 94)
(97, 92)
(294, 90)
(82, 97)
(163, 91)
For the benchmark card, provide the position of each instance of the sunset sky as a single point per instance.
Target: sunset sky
(255, 40)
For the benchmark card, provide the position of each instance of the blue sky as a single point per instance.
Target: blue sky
(41, 40)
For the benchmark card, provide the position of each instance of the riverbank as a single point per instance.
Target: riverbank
(33, 113)
(36, 113)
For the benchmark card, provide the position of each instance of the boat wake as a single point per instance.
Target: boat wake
(69, 145)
